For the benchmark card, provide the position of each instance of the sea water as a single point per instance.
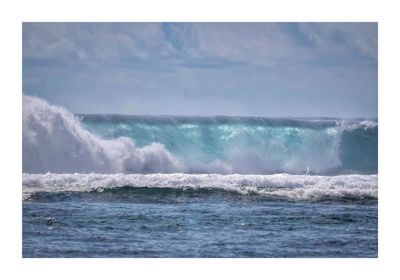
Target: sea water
(173, 186)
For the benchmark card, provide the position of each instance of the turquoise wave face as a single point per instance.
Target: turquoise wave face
(252, 145)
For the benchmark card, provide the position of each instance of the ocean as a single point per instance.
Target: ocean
(187, 186)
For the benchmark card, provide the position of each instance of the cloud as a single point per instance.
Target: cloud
(256, 43)
(92, 42)
(269, 69)
(342, 37)
(266, 44)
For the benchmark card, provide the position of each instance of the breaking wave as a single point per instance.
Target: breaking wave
(55, 140)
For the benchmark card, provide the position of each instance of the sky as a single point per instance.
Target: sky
(240, 69)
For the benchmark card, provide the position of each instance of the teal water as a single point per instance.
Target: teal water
(252, 145)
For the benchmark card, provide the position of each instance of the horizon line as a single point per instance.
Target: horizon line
(218, 116)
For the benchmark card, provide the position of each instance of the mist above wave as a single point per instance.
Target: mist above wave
(54, 140)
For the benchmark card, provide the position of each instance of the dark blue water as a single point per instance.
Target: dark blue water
(148, 223)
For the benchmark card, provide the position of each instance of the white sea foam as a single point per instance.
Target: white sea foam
(297, 187)
(54, 140)
(364, 124)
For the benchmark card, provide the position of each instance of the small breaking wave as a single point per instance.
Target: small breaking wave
(279, 186)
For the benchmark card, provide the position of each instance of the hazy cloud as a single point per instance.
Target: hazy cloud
(298, 69)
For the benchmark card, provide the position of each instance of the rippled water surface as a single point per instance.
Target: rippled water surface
(165, 223)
